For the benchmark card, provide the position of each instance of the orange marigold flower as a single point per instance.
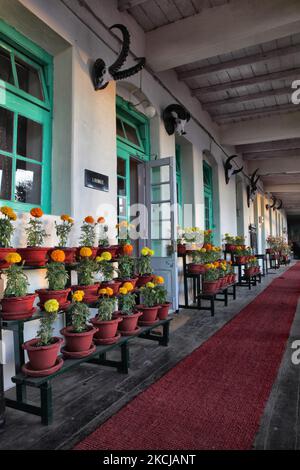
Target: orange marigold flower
(127, 249)
(89, 219)
(65, 217)
(109, 291)
(85, 252)
(128, 286)
(36, 212)
(101, 220)
(58, 256)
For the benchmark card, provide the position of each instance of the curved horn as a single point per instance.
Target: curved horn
(125, 48)
(274, 202)
(131, 71)
(229, 160)
(253, 176)
(280, 204)
(256, 181)
(238, 170)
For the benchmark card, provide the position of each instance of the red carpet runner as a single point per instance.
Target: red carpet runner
(215, 397)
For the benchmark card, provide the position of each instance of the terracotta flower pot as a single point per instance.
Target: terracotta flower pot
(34, 255)
(210, 287)
(181, 249)
(42, 357)
(230, 247)
(14, 306)
(163, 310)
(60, 295)
(3, 253)
(249, 272)
(240, 259)
(113, 250)
(93, 248)
(105, 329)
(90, 292)
(70, 254)
(142, 280)
(129, 322)
(114, 285)
(78, 342)
(195, 268)
(149, 313)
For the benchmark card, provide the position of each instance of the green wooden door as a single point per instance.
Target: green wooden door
(208, 197)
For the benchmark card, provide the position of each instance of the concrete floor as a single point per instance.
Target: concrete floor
(87, 396)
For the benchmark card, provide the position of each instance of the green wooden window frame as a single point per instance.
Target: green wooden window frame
(179, 183)
(21, 103)
(126, 149)
(208, 196)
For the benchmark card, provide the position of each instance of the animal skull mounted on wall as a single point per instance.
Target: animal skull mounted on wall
(229, 171)
(175, 118)
(102, 74)
(252, 187)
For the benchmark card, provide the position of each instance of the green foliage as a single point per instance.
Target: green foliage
(126, 267)
(17, 282)
(86, 269)
(103, 239)
(149, 296)
(6, 232)
(107, 270)
(35, 233)
(88, 234)
(79, 317)
(106, 308)
(211, 275)
(63, 231)
(161, 294)
(144, 265)
(127, 303)
(45, 331)
(57, 276)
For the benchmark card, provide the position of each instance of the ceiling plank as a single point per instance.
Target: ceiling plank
(267, 146)
(247, 60)
(272, 154)
(243, 98)
(281, 74)
(269, 110)
(124, 5)
(283, 188)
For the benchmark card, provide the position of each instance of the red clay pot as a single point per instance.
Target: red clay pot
(93, 248)
(70, 254)
(113, 250)
(105, 329)
(163, 311)
(210, 287)
(249, 272)
(240, 259)
(90, 292)
(194, 268)
(3, 253)
(34, 255)
(42, 357)
(78, 342)
(15, 305)
(230, 247)
(114, 285)
(149, 313)
(133, 281)
(60, 295)
(181, 249)
(142, 280)
(129, 322)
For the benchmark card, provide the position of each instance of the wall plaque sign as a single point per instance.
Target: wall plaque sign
(95, 180)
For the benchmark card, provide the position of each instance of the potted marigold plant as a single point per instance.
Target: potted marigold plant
(63, 231)
(230, 244)
(127, 311)
(126, 270)
(161, 297)
(86, 269)
(79, 335)
(57, 278)
(35, 254)
(144, 267)
(149, 307)
(16, 304)
(198, 259)
(103, 242)
(43, 350)
(210, 281)
(123, 229)
(88, 235)
(107, 270)
(6, 232)
(104, 322)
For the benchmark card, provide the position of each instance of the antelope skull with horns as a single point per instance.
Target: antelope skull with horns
(229, 171)
(102, 74)
(252, 187)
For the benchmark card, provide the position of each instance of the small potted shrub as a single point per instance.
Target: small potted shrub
(127, 310)
(222, 267)
(16, 304)
(35, 254)
(149, 307)
(239, 255)
(86, 269)
(124, 236)
(79, 335)
(230, 244)
(63, 231)
(197, 264)
(103, 242)
(210, 281)
(6, 232)
(144, 267)
(161, 297)
(57, 278)
(88, 235)
(181, 248)
(43, 350)
(107, 270)
(126, 270)
(104, 322)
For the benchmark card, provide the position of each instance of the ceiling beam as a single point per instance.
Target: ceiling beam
(262, 56)
(268, 146)
(220, 30)
(241, 99)
(280, 75)
(272, 154)
(282, 188)
(124, 5)
(269, 110)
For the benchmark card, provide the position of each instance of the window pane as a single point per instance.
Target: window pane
(160, 174)
(131, 134)
(160, 192)
(28, 182)
(121, 169)
(6, 129)
(30, 139)
(121, 187)
(5, 177)
(120, 131)
(122, 207)
(29, 79)
(5, 67)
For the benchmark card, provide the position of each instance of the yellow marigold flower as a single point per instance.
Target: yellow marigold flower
(51, 306)
(123, 290)
(58, 256)
(151, 252)
(103, 291)
(89, 219)
(128, 286)
(78, 295)
(109, 291)
(203, 250)
(13, 258)
(65, 217)
(99, 259)
(150, 285)
(145, 251)
(85, 252)
(106, 255)
(36, 212)
(70, 220)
